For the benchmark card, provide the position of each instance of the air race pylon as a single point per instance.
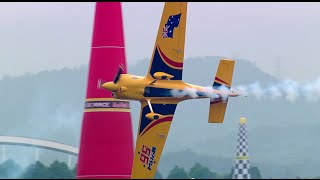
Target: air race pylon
(242, 163)
(106, 145)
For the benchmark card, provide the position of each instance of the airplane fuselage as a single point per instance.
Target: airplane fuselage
(139, 88)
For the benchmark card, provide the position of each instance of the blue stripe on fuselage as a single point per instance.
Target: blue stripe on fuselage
(156, 92)
(159, 66)
(201, 94)
(164, 92)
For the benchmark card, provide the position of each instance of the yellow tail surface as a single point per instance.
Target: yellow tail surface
(223, 78)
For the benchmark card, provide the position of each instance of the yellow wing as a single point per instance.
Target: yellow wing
(168, 51)
(151, 138)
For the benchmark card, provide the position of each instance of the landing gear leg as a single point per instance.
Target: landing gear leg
(149, 105)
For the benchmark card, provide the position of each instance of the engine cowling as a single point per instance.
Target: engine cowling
(153, 116)
(111, 86)
(162, 76)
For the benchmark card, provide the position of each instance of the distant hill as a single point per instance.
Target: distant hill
(49, 105)
(46, 105)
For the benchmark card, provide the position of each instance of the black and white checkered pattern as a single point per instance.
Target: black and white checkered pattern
(242, 163)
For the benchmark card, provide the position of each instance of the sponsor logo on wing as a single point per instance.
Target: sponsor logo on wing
(147, 156)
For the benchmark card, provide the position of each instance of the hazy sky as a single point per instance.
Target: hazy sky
(282, 38)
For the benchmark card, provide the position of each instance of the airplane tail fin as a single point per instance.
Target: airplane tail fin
(222, 80)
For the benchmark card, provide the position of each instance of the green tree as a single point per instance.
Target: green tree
(201, 172)
(10, 169)
(59, 170)
(255, 173)
(158, 175)
(178, 173)
(35, 171)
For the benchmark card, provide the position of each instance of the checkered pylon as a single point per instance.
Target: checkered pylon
(242, 163)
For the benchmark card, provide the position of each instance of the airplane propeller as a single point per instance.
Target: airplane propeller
(117, 76)
(113, 86)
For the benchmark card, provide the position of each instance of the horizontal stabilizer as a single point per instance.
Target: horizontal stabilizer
(223, 77)
(217, 111)
(224, 73)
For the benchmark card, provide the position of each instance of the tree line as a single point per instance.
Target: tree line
(59, 170)
(56, 170)
(199, 171)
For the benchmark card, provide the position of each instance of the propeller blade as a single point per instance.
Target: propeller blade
(116, 78)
